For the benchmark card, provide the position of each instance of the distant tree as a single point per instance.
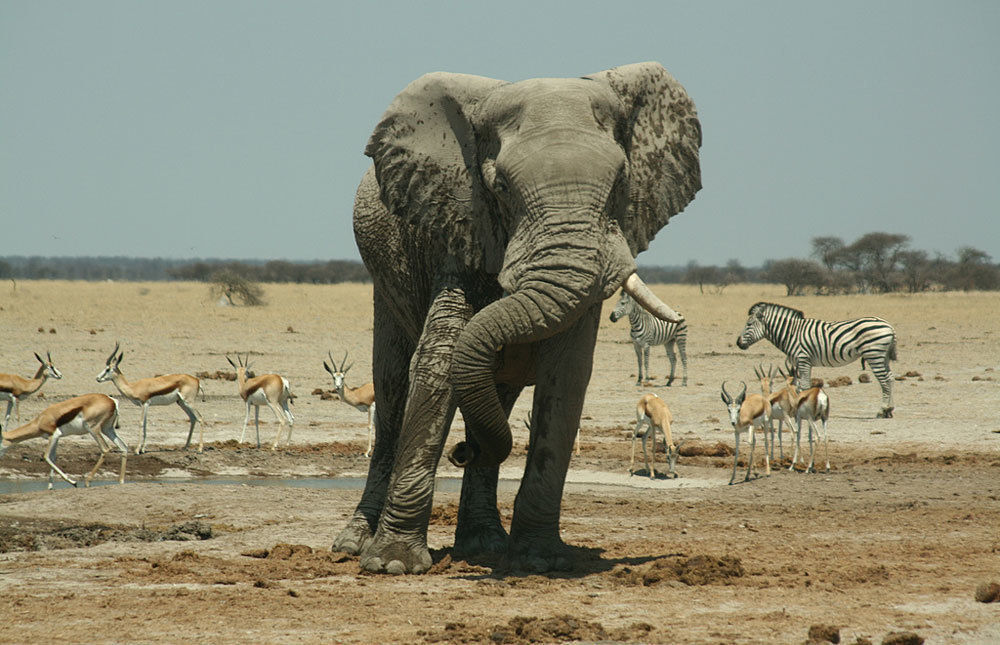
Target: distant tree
(974, 271)
(699, 275)
(825, 249)
(916, 270)
(878, 254)
(735, 272)
(795, 274)
(235, 287)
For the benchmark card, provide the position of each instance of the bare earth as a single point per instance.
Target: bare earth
(896, 537)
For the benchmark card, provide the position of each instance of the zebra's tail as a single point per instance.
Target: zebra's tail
(891, 354)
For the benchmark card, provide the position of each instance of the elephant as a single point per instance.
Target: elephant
(495, 219)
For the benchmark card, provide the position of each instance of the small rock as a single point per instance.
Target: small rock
(864, 378)
(824, 634)
(902, 638)
(52, 330)
(988, 592)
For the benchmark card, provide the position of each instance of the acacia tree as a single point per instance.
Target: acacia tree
(878, 255)
(826, 249)
(795, 274)
(235, 287)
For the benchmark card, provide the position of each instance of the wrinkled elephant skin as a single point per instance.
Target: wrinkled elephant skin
(495, 219)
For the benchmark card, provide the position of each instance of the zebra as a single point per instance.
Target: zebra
(809, 341)
(648, 330)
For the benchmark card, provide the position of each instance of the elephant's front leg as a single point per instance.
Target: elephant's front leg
(400, 541)
(479, 529)
(563, 371)
(391, 355)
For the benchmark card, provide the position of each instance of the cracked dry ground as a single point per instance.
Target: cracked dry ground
(888, 542)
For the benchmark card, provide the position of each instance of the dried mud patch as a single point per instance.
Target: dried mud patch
(259, 568)
(27, 534)
(692, 571)
(523, 629)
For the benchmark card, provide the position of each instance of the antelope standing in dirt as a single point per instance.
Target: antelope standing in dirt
(271, 390)
(13, 388)
(812, 405)
(157, 390)
(96, 414)
(747, 412)
(782, 403)
(361, 398)
(652, 412)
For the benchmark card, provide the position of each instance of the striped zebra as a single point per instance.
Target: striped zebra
(809, 341)
(647, 330)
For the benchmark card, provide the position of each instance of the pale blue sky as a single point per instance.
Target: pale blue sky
(236, 129)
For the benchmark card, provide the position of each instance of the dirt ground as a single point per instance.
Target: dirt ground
(896, 538)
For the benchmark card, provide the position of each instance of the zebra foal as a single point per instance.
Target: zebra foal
(810, 341)
(648, 330)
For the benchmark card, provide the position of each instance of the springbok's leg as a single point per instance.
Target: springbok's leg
(142, 444)
(736, 455)
(108, 430)
(50, 458)
(753, 444)
(281, 423)
(193, 417)
(256, 422)
(798, 441)
(631, 463)
(104, 447)
(246, 420)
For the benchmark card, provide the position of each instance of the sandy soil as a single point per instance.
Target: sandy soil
(895, 538)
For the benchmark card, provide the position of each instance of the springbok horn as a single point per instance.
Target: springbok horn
(726, 397)
(113, 352)
(231, 361)
(635, 287)
(49, 355)
(39, 358)
(328, 368)
(343, 362)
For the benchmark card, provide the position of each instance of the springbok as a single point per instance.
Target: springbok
(652, 412)
(782, 403)
(812, 405)
(93, 413)
(361, 398)
(747, 413)
(13, 388)
(157, 390)
(271, 390)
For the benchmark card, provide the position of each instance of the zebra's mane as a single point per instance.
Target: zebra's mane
(761, 306)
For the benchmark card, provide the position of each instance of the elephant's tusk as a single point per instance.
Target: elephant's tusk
(635, 287)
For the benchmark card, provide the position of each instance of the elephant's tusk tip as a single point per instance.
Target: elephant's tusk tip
(462, 454)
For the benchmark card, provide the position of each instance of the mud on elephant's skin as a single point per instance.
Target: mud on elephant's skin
(495, 219)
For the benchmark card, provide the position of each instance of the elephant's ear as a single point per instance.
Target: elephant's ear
(424, 151)
(662, 138)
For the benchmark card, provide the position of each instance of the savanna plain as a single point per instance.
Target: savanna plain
(232, 545)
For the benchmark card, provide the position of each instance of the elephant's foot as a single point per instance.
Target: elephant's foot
(885, 413)
(478, 539)
(394, 555)
(353, 537)
(540, 555)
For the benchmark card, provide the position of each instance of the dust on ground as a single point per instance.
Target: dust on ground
(899, 537)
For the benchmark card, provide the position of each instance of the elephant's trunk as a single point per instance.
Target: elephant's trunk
(555, 283)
